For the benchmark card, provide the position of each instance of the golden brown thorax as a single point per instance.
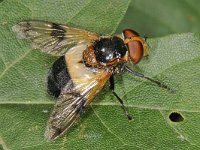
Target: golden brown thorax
(89, 57)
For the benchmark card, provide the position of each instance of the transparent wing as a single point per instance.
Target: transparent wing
(52, 38)
(72, 102)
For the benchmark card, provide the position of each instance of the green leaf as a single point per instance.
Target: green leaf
(160, 17)
(25, 105)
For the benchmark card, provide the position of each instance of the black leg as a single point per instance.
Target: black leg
(145, 38)
(112, 87)
(152, 80)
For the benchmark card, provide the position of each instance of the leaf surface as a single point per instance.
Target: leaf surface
(25, 105)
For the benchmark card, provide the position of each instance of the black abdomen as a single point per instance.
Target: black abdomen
(58, 77)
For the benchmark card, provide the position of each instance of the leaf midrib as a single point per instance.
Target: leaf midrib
(104, 104)
(3, 143)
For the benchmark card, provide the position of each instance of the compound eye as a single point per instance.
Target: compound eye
(128, 33)
(134, 44)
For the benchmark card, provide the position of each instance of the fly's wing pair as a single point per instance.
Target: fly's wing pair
(53, 38)
(84, 83)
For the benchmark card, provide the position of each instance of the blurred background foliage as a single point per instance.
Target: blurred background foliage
(154, 18)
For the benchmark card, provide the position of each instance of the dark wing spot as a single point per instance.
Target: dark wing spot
(57, 131)
(81, 107)
(25, 27)
(58, 31)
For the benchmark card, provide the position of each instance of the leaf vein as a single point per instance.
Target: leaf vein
(79, 11)
(3, 143)
(14, 63)
(32, 146)
(100, 104)
(107, 128)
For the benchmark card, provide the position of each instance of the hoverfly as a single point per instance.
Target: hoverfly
(86, 62)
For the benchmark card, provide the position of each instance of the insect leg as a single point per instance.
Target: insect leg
(112, 87)
(142, 76)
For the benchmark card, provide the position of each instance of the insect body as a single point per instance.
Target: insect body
(86, 62)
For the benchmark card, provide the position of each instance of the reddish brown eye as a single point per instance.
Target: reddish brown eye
(129, 33)
(135, 47)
